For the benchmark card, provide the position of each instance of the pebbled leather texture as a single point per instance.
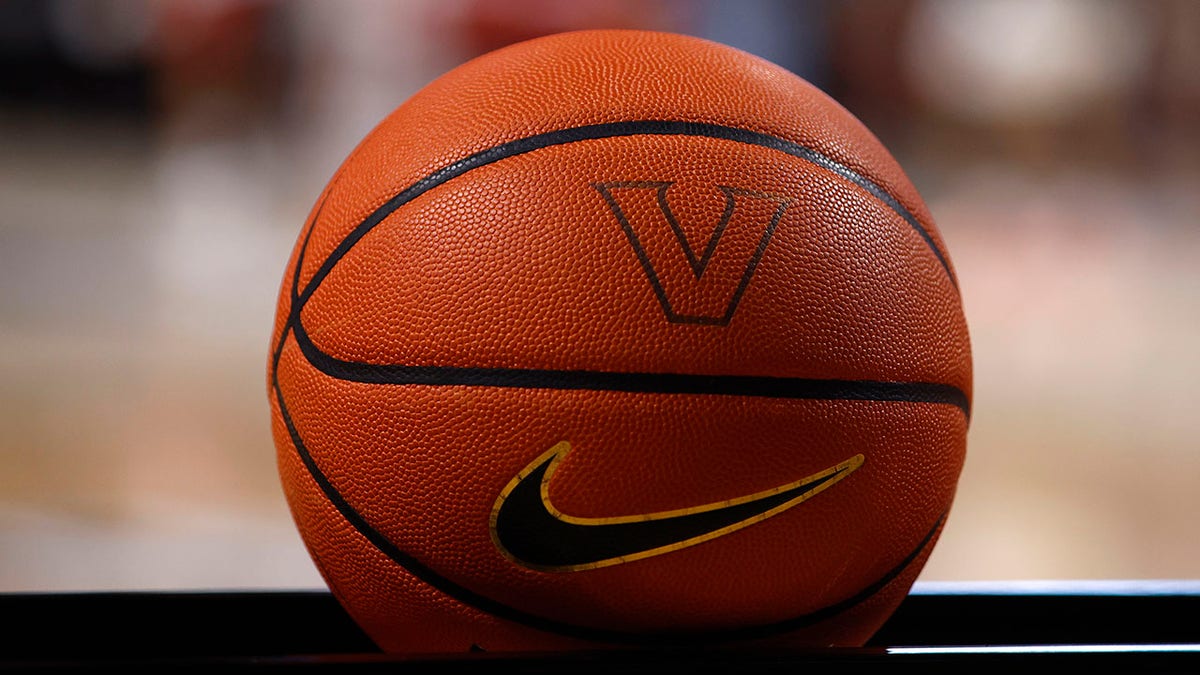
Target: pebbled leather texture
(618, 202)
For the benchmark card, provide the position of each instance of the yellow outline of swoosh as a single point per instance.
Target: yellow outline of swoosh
(560, 450)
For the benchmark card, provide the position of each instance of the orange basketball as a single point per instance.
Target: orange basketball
(618, 338)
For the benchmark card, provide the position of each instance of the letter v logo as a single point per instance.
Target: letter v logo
(700, 285)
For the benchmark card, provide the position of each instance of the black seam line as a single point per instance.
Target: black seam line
(293, 293)
(498, 609)
(610, 130)
(631, 382)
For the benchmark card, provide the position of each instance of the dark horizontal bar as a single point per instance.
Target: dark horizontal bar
(634, 382)
(232, 631)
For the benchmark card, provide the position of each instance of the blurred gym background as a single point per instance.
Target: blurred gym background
(158, 157)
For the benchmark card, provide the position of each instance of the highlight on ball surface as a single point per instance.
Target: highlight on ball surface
(617, 338)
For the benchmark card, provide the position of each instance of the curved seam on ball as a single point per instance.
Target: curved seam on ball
(612, 130)
(500, 610)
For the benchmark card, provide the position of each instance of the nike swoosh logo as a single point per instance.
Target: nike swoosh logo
(530, 531)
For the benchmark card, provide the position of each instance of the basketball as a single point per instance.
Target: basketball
(619, 339)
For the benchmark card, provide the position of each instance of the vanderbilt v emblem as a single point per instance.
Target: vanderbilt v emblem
(695, 285)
